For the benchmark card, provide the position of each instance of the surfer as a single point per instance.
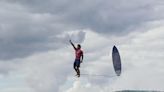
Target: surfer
(78, 57)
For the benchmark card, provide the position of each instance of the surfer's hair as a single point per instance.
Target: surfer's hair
(79, 45)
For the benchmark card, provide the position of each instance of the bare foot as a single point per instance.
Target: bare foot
(78, 75)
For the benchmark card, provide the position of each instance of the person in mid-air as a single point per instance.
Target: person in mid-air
(78, 58)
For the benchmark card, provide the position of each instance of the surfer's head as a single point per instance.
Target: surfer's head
(78, 46)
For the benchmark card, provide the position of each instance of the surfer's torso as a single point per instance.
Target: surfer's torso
(78, 53)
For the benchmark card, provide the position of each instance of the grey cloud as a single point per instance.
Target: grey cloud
(113, 17)
(102, 16)
(23, 33)
(30, 26)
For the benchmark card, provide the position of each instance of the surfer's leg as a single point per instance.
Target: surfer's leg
(78, 71)
(75, 68)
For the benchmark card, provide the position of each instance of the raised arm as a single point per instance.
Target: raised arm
(72, 44)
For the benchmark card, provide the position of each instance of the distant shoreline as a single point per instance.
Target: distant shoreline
(138, 91)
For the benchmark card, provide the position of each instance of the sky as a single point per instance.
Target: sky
(35, 54)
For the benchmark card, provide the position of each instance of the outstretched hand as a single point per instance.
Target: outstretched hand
(70, 41)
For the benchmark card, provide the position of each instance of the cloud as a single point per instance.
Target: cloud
(78, 86)
(79, 37)
(25, 33)
(116, 17)
(49, 71)
(29, 27)
(44, 72)
(20, 36)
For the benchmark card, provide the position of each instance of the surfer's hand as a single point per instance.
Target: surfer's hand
(81, 61)
(70, 41)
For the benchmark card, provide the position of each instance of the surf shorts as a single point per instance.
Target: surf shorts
(77, 63)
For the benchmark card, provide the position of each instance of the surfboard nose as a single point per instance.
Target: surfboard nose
(115, 49)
